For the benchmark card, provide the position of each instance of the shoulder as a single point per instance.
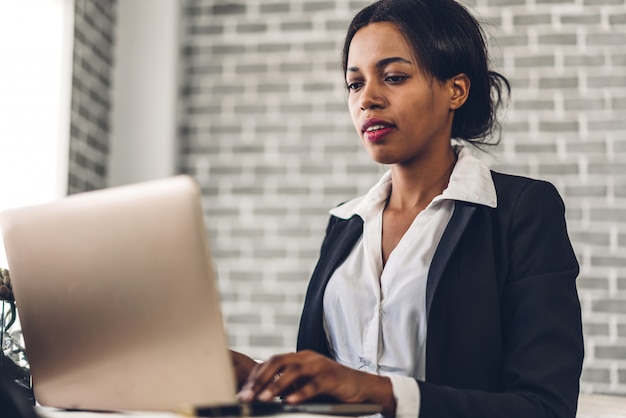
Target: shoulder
(513, 190)
(513, 184)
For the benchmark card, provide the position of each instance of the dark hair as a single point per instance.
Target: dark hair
(446, 40)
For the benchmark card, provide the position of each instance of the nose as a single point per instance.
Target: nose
(372, 97)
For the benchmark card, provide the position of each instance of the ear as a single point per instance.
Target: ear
(459, 87)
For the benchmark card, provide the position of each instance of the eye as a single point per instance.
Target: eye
(395, 79)
(354, 85)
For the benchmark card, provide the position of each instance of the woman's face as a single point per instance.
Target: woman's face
(402, 115)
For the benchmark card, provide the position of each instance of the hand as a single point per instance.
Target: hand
(243, 365)
(304, 375)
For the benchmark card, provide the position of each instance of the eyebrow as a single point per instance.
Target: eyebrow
(384, 62)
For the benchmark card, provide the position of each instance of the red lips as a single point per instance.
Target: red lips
(375, 130)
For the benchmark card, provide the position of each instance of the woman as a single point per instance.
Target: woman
(447, 290)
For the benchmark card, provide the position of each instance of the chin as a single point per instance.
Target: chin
(383, 159)
(384, 154)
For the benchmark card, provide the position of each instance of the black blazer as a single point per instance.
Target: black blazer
(504, 332)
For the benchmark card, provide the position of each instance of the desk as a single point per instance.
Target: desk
(589, 406)
(55, 413)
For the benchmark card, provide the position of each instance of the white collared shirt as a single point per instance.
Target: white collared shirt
(375, 317)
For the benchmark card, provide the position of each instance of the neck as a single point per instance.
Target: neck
(414, 187)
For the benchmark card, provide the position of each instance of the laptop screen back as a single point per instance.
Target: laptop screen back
(117, 298)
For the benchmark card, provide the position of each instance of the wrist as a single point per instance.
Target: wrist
(380, 391)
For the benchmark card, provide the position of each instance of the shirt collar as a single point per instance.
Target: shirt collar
(470, 181)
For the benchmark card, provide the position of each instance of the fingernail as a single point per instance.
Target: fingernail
(266, 395)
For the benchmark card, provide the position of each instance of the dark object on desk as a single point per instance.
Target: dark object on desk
(270, 408)
(345, 409)
(234, 410)
(13, 373)
(13, 401)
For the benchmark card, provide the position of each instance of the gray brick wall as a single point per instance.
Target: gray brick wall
(565, 125)
(264, 127)
(94, 28)
(265, 130)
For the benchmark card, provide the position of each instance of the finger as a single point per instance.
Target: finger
(305, 391)
(329, 378)
(289, 379)
(299, 369)
(261, 376)
(245, 392)
(243, 365)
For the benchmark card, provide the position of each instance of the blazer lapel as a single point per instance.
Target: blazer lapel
(449, 240)
(338, 244)
(341, 239)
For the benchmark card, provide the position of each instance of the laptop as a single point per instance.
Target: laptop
(118, 302)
